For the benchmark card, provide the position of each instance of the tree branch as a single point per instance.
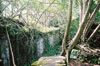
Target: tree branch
(80, 9)
(45, 10)
(10, 47)
(67, 31)
(80, 30)
(88, 51)
(90, 21)
(94, 32)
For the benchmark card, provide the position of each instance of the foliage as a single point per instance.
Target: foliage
(74, 53)
(74, 27)
(52, 51)
(40, 20)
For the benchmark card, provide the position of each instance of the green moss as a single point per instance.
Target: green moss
(34, 63)
(42, 63)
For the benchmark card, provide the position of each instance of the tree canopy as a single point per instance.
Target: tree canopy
(30, 29)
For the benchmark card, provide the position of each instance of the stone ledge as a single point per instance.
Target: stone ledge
(59, 61)
(50, 61)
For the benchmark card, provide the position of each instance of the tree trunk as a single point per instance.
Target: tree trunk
(90, 22)
(94, 32)
(11, 50)
(76, 38)
(67, 27)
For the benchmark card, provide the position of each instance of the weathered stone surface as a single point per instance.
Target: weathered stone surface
(53, 64)
(40, 47)
(51, 61)
(59, 61)
(51, 40)
(5, 53)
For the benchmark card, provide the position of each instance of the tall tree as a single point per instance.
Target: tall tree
(85, 18)
(67, 27)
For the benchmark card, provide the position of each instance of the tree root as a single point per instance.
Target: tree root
(88, 51)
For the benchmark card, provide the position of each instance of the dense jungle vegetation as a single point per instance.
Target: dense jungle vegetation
(31, 29)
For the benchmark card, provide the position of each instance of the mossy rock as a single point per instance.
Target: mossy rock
(38, 64)
(50, 61)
